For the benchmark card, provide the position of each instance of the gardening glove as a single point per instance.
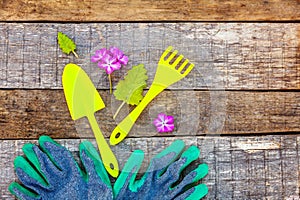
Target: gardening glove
(50, 172)
(162, 178)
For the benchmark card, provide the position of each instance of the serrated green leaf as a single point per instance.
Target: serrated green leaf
(66, 44)
(131, 88)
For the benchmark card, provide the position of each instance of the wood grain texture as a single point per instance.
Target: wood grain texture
(150, 10)
(31, 113)
(246, 81)
(240, 167)
(233, 56)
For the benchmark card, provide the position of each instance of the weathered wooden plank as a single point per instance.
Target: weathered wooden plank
(234, 56)
(240, 167)
(30, 113)
(149, 10)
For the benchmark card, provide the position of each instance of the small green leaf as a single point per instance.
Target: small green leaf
(66, 44)
(130, 89)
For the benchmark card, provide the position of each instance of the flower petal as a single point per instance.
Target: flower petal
(107, 59)
(123, 60)
(109, 70)
(164, 129)
(119, 55)
(169, 127)
(95, 58)
(116, 65)
(102, 52)
(160, 129)
(169, 119)
(116, 52)
(99, 54)
(161, 116)
(157, 122)
(102, 65)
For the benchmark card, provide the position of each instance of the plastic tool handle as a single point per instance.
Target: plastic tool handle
(123, 128)
(109, 160)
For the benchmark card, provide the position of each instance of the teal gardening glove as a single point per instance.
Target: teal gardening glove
(161, 180)
(50, 172)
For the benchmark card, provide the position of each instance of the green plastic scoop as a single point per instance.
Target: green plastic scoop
(83, 101)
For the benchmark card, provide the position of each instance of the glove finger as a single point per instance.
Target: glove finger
(201, 171)
(190, 155)
(194, 193)
(48, 168)
(129, 173)
(32, 157)
(51, 150)
(161, 161)
(21, 192)
(59, 155)
(190, 179)
(27, 174)
(95, 181)
(159, 164)
(174, 170)
(88, 150)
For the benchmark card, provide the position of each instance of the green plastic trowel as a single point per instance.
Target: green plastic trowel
(83, 101)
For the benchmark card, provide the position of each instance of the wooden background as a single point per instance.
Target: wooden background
(240, 105)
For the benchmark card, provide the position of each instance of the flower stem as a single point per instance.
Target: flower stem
(110, 84)
(75, 54)
(118, 110)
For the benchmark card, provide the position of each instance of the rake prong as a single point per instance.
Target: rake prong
(174, 53)
(166, 52)
(183, 65)
(189, 69)
(180, 57)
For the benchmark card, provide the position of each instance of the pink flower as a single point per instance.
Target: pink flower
(119, 55)
(109, 63)
(110, 60)
(99, 54)
(164, 123)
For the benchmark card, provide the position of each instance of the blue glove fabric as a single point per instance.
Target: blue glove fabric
(50, 172)
(162, 178)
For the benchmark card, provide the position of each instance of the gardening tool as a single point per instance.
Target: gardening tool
(167, 73)
(83, 101)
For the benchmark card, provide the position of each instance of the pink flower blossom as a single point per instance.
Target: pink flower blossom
(164, 123)
(110, 60)
(99, 54)
(109, 63)
(123, 59)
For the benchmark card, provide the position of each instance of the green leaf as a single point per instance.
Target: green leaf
(131, 88)
(66, 44)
